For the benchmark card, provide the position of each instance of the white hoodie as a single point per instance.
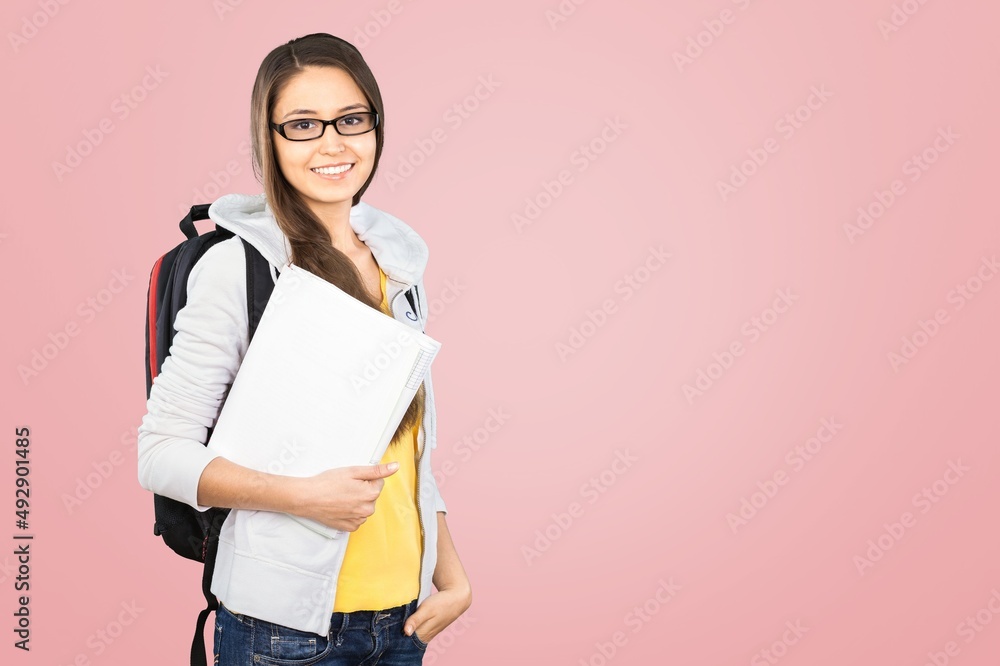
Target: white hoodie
(269, 566)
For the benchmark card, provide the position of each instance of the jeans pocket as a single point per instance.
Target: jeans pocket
(416, 639)
(294, 647)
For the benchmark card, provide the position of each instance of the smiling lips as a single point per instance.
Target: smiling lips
(333, 170)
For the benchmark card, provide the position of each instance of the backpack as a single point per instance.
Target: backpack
(188, 532)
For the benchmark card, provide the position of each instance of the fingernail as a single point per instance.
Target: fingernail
(408, 630)
(393, 466)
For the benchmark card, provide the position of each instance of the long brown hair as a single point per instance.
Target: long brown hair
(312, 247)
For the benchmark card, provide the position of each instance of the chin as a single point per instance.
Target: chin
(326, 198)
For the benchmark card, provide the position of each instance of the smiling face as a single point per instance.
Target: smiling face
(328, 171)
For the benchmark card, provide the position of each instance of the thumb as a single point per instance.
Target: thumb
(411, 622)
(373, 472)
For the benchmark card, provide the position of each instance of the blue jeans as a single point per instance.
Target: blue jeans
(360, 638)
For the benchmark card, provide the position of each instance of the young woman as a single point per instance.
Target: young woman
(289, 595)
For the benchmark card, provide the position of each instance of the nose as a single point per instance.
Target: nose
(330, 139)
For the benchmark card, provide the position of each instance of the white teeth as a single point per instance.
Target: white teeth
(330, 171)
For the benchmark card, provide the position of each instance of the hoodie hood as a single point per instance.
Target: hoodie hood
(398, 249)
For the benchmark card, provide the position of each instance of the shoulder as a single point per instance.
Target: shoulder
(218, 279)
(219, 260)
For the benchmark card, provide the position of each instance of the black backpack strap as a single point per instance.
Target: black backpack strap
(198, 656)
(260, 284)
(197, 212)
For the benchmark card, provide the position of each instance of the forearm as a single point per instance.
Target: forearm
(449, 572)
(225, 484)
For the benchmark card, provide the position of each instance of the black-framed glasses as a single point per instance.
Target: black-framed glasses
(306, 129)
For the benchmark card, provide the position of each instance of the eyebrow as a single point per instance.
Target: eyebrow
(346, 108)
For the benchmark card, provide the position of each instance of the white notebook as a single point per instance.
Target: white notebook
(324, 383)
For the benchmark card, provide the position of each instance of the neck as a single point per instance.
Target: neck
(336, 217)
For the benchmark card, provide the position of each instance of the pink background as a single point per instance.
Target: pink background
(523, 292)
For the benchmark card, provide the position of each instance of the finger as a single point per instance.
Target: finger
(372, 472)
(412, 623)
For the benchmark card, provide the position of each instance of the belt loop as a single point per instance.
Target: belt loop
(410, 609)
(343, 628)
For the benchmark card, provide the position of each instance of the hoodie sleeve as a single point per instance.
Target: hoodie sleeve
(210, 342)
(439, 500)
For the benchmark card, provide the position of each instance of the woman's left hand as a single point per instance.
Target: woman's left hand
(438, 611)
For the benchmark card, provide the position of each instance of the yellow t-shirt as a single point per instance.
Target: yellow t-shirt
(382, 564)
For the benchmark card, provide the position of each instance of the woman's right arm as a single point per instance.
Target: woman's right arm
(341, 498)
(209, 344)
